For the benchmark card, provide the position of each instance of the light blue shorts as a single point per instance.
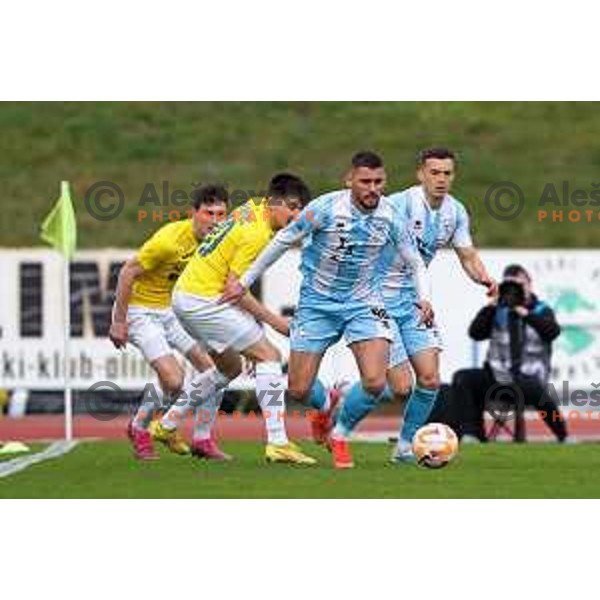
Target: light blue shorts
(411, 337)
(317, 327)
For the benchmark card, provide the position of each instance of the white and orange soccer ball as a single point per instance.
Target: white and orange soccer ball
(435, 445)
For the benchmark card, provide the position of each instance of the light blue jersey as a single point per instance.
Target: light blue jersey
(342, 259)
(344, 256)
(432, 230)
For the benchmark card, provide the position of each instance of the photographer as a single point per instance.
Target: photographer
(521, 329)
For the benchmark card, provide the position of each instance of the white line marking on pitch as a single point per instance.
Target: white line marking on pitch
(10, 467)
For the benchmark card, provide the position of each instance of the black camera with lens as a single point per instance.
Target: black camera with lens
(511, 294)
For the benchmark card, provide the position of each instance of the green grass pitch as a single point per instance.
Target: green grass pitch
(244, 143)
(106, 470)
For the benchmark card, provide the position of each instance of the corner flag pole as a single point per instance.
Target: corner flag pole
(68, 396)
(59, 229)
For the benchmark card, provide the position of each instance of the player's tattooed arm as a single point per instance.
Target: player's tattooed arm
(473, 266)
(130, 271)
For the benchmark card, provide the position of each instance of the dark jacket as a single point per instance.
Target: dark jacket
(518, 346)
(541, 317)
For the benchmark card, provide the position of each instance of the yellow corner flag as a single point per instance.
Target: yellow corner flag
(59, 228)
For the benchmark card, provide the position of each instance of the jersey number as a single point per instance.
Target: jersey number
(212, 240)
(343, 250)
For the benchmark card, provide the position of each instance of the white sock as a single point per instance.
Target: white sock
(152, 402)
(196, 392)
(270, 394)
(205, 417)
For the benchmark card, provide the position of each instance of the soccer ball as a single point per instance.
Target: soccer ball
(435, 445)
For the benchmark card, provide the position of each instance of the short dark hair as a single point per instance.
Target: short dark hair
(209, 194)
(368, 159)
(516, 270)
(286, 185)
(440, 153)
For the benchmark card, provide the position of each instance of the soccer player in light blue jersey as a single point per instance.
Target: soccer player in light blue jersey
(348, 236)
(436, 220)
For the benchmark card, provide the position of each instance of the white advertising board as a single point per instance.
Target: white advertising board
(31, 315)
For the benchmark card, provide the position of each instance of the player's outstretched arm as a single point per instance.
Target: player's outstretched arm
(261, 313)
(279, 245)
(462, 242)
(473, 266)
(235, 288)
(284, 240)
(130, 271)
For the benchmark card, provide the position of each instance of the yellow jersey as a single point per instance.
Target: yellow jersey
(232, 246)
(163, 257)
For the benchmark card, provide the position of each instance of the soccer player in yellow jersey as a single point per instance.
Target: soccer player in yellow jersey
(142, 315)
(233, 331)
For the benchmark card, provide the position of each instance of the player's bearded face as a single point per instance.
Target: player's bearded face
(436, 176)
(207, 217)
(367, 186)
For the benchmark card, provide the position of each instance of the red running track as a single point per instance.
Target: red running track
(46, 427)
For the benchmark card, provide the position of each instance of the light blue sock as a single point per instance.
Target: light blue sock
(357, 405)
(318, 395)
(417, 411)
